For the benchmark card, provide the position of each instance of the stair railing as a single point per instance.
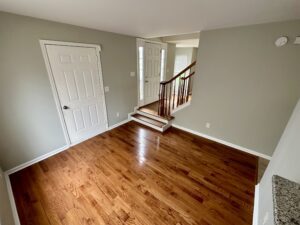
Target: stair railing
(176, 91)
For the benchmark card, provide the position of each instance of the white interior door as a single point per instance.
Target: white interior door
(152, 72)
(78, 81)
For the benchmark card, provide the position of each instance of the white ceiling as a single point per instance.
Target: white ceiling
(156, 18)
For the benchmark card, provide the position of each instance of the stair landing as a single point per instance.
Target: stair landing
(151, 108)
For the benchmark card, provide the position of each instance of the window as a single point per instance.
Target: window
(141, 72)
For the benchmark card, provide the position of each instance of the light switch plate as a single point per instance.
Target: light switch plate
(106, 89)
(132, 74)
(297, 41)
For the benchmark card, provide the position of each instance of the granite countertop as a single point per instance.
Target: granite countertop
(286, 198)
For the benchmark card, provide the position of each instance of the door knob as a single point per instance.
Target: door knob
(65, 107)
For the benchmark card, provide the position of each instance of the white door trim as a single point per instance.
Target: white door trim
(256, 203)
(43, 44)
(141, 43)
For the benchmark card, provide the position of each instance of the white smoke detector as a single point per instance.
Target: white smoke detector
(281, 41)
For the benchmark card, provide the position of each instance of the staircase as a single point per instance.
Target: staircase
(174, 95)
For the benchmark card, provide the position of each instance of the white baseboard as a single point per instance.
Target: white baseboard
(12, 200)
(87, 138)
(252, 152)
(256, 202)
(54, 152)
(119, 124)
(31, 162)
(36, 160)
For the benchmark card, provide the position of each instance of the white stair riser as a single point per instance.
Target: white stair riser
(152, 116)
(148, 124)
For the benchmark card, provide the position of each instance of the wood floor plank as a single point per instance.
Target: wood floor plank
(133, 175)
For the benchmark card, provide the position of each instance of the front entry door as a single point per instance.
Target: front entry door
(78, 81)
(152, 72)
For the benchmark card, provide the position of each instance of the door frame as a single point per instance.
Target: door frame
(141, 43)
(43, 44)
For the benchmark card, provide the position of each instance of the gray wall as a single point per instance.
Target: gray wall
(28, 118)
(285, 163)
(190, 52)
(6, 217)
(170, 61)
(245, 86)
(194, 54)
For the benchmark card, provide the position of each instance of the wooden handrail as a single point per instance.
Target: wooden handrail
(184, 78)
(179, 74)
(176, 91)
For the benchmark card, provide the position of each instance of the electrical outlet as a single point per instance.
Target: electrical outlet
(207, 125)
(118, 114)
(106, 89)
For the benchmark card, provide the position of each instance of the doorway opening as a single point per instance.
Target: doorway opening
(164, 59)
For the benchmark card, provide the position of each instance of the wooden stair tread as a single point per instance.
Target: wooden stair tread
(152, 109)
(149, 120)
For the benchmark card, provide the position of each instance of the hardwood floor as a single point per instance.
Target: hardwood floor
(135, 175)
